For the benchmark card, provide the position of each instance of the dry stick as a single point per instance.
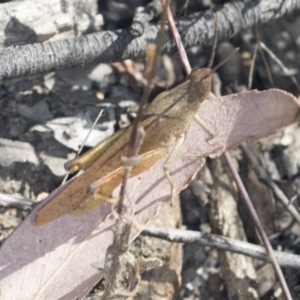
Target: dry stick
(266, 179)
(287, 71)
(265, 61)
(16, 61)
(220, 242)
(150, 77)
(16, 201)
(246, 197)
(177, 40)
(261, 173)
(143, 15)
(252, 67)
(256, 221)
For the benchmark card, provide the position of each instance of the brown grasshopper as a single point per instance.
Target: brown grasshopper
(171, 112)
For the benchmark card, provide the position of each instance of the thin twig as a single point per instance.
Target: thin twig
(177, 39)
(266, 179)
(286, 71)
(143, 15)
(264, 58)
(220, 242)
(249, 204)
(15, 201)
(257, 223)
(252, 67)
(16, 61)
(150, 73)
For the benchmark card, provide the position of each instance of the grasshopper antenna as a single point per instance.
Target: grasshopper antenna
(214, 69)
(86, 138)
(213, 50)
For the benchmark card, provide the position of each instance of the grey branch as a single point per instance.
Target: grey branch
(143, 15)
(15, 201)
(223, 243)
(111, 46)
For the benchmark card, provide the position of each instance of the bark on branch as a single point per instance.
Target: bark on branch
(111, 46)
(285, 259)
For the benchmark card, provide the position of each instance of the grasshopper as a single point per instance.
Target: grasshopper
(171, 112)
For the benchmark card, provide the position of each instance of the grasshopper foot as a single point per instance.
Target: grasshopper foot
(174, 196)
(173, 189)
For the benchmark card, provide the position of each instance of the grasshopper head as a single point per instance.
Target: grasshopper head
(200, 84)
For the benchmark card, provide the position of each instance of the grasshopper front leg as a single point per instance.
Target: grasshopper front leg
(206, 127)
(209, 130)
(170, 161)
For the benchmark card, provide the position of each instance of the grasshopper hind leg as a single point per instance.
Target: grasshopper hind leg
(101, 190)
(91, 203)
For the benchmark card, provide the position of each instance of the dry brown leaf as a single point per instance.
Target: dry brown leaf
(55, 261)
